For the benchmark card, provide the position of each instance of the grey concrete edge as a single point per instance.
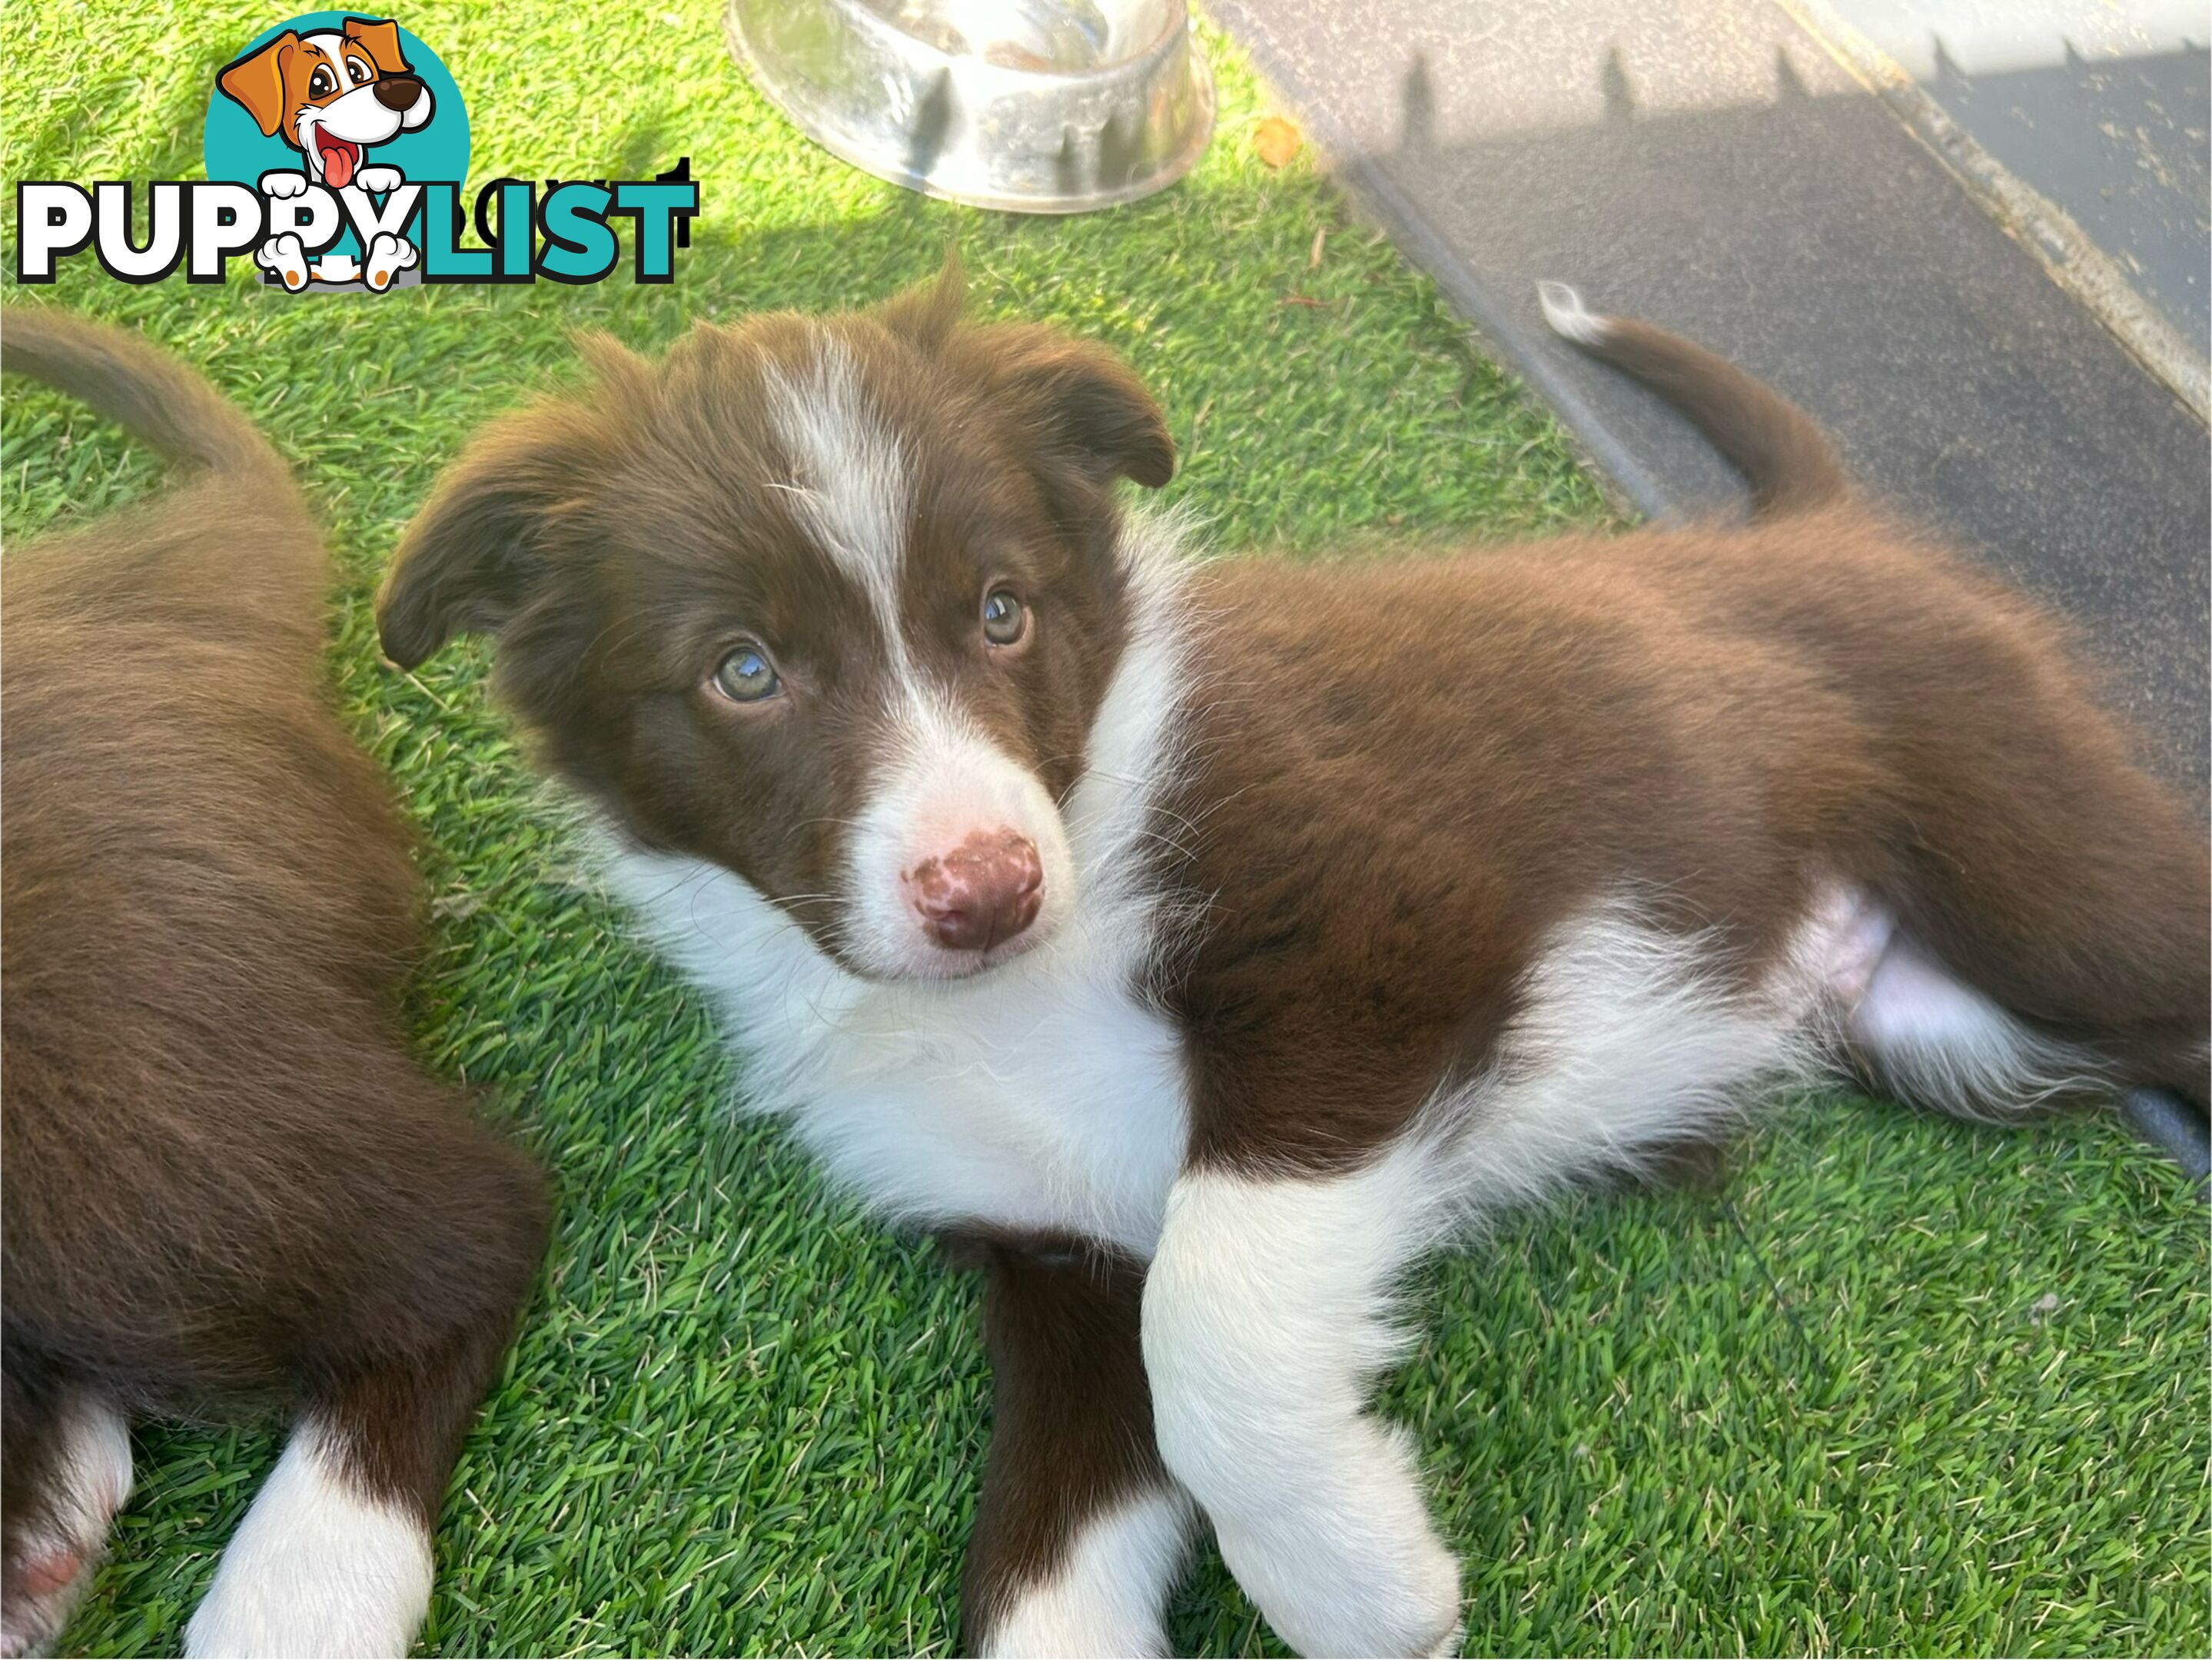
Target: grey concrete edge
(2065, 252)
(1500, 318)
(1504, 320)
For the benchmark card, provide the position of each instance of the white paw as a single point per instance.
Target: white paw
(53, 1557)
(285, 258)
(379, 179)
(317, 1567)
(1352, 1565)
(337, 268)
(1108, 1593)
(388, 255)
(1265, 1315)
(283, 184)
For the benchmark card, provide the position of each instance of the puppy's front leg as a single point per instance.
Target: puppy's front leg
(1264, 1325)
(1081, 1533)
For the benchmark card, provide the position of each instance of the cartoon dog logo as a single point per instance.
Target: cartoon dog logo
(332, 94)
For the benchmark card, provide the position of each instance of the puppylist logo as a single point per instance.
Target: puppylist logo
(336, 152)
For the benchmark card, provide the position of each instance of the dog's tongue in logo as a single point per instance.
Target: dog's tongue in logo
(337, 161)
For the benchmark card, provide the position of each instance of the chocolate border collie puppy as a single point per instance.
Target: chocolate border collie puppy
(1212, 942)
(227, 1187)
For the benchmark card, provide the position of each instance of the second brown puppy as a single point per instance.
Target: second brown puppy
(228, 1187)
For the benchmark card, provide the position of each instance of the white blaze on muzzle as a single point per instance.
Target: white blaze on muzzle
(959, 859)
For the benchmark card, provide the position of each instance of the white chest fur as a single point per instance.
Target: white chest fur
(1044, 1094)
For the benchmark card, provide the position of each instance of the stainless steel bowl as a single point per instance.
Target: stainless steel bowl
(1035, 106)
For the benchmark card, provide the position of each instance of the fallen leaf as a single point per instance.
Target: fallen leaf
(1276, 140)
(1313, 255)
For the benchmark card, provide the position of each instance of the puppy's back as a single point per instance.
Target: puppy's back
(170, 771)
(173, 774)
(211, 903)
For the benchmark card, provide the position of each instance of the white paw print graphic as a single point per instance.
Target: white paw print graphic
(286, 258)
(388, 255)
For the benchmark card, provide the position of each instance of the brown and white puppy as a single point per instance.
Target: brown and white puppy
(330, 95)
(1210, 941)
(226, 1185)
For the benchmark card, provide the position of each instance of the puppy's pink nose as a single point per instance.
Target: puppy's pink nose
(981, 894)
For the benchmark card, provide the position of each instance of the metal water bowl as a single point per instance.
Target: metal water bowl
(1035, 106)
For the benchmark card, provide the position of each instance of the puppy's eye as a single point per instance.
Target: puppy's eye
(320, 83)
(1004, 620)
(358, 69)
(746, 676)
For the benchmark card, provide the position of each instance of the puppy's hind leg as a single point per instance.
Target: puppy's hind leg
(334, 1556)
(2047, 904)
(1081, 1532)
(68, 1471)
(1920, 1033)
(329, 1560)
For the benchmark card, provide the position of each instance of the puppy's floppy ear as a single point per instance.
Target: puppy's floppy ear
(1079, 399)
(380, 38)
(476, 553)
(256, 82)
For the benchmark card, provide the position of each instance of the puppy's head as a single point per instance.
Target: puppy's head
(831, 603)
(331, 93)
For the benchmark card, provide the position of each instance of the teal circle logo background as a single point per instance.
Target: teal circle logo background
(436, 153)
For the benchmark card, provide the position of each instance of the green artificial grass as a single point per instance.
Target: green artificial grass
(1909, 1386)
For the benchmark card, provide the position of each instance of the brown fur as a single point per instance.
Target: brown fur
(1071, 1414)
(1717, 716)
(227, 1184)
